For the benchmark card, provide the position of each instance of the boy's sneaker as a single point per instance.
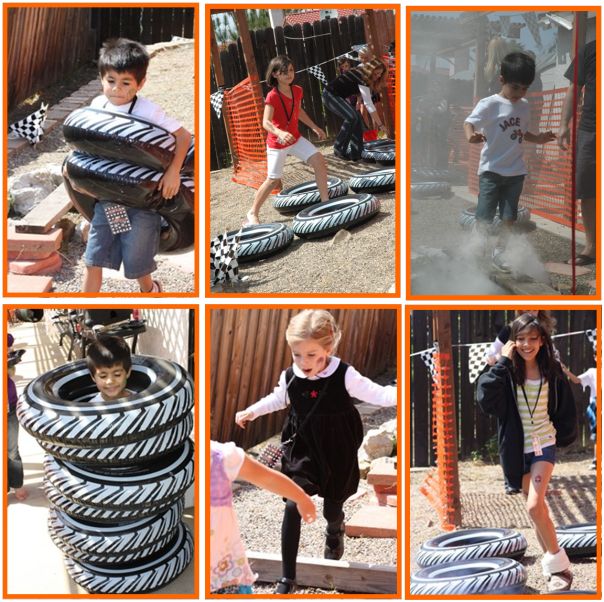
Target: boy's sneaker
(499, 261)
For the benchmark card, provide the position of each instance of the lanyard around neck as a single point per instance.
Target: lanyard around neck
(283, 105)
(131, 104)
(532, 412)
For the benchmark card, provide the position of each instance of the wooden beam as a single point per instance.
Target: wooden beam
(47, 212)
(356, 577)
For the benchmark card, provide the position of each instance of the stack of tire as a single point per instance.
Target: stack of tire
(116, 472)
(121, 158)
(427, 183)
(471, 561)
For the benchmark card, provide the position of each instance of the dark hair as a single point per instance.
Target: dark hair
(121, 54)
(367, 69)
(345, 59)
(518, 68)
(545, 317)
(545, 358)
(107, 351)
(281, 64)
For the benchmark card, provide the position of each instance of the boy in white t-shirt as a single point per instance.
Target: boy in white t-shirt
(123, 67)
(501, 121)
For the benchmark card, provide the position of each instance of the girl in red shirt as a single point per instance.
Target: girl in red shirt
(282, 112)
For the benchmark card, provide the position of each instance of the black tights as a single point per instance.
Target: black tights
(290, 531)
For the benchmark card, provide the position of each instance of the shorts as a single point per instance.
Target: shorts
(302, 148)
(496, 191)
(549, 455)
(585, 174)
(136, 249)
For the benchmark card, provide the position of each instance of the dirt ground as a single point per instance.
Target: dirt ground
(365, 263)
(171, 84)
(572, 498)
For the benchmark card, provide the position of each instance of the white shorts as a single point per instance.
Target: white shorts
(302, 148)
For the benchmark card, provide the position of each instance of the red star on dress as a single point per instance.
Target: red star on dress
(314, 394)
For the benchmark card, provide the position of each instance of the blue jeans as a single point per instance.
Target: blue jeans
(496, 191)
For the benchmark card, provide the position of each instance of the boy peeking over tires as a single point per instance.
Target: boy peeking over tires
(109, 362)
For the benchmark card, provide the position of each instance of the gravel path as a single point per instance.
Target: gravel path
(171, 84)
(365, 263)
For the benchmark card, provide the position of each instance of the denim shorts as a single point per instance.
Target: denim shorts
(496, 191)
(549, 455)
(136, 249)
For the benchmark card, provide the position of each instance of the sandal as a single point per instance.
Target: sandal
(286, 586)
(560, 582)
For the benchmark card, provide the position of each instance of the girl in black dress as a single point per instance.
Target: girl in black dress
(318, 388)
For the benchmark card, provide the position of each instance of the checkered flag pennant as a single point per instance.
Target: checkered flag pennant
(533, 26)
(318, 73)
(223, 258)
(31, 126)
(592, 336)
(428, 359)
(477, 359)
(216, 100)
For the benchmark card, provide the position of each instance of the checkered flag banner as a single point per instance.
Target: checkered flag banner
(30, 127)
(216, 100)
(428, 358)
(223, 258)
(477, 359)
(318, 73)
(592, 336)
(533, 26)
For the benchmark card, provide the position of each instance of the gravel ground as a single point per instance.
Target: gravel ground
(256, 524)
(365, 263)
(171, 84)
(571, 497)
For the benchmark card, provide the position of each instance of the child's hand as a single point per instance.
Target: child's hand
(545, 137)
(321, 135)
(242, 417)
(169, 185)
(563, 137)
(307, 509)
(508, 349)
(285, 137)
(476, 138)
(491, 360)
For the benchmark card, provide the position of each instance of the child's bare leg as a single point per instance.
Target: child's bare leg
(145, 283)
(261, 195)
(317, 162)
(93, 279)
(526, 481)
(537, 508)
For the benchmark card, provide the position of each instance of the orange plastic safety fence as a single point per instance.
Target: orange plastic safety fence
(245, 106)
(438, 486)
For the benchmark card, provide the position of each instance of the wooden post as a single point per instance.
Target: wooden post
(246, 43)
(442, 335)
(376, 44)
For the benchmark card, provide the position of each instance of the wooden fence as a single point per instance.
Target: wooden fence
(248, 351)
(306, 45)
(474, 429)
(45, 45)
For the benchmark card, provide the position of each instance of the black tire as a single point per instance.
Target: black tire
(55, 407)
(145, 575)
(374, 144)
(579, 540)
(260, 241)
(425, 190)
(147, 484)
(384, 154)
(131, 453)
(468, 216)
(381, 180)
(98, 515)
(292, 200)
(112, 544)
(469, 544)
(468, 577)
(327, 218)
(430, 175)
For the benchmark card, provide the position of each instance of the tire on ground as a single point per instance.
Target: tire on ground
(295, 198)
(579, 539)
(469, 577)
(425, 190)
(148, 484)
(381, 180)
(468, 216)
(420, 174)
(469, 544)
(145, 575)
(56, 408)
(113, 543)
(262, 240)
(327, 218)
(384, 154)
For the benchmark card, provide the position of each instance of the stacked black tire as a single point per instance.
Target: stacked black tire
(428, 183)
(116, 473)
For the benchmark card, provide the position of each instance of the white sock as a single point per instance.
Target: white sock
(555, 563)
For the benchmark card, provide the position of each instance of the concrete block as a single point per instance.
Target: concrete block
(372, 521)
(20, 284)
(25, 245)
(47, 266)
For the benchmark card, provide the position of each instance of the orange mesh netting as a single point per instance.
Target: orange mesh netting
(438, 486)
(244, 105)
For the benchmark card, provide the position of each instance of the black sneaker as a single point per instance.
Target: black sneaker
(285, 586)
(334, 544)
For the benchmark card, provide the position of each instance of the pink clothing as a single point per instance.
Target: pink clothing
(228, 562)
